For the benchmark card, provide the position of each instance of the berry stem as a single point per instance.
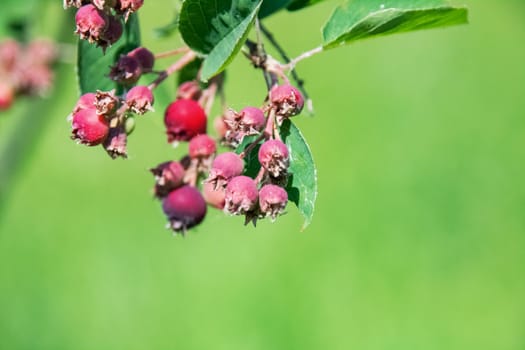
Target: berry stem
(184, 60)
(172, 52)
(291, 65)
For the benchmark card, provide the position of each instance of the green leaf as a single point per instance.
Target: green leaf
(216, 29)
(251, 159)
(300, 4)
(93, 65)
(361, 19)
(302, 185)
(269, 7)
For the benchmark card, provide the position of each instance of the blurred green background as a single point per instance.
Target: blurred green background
(418, 241)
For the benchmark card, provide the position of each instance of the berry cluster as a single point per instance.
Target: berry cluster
(25, 69)
(225, 182)
(104, 118)
(100, 21)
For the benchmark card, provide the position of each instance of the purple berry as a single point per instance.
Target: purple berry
(144, 56)
(185, 208)
(126, 71)
(272, 200)
(274, 157)
(241, 195)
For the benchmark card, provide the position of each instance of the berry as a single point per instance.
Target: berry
(185, 208)
(274, 157)
(272, 200)
(224, 167)
(168, 176)
(7, 96)
(184, 119)
(127, 7)
(249, 121)
(91, 23)
(241, 195)
(116, 142)
(113, 32)
(42, 51)
(144, 56)
(126, 71)
(287, 100)
(140, 99)
(202, 146)
(9, 52)
(104, 4)
(214, 197)
(190, 90)
(220, 126)
(89, 128)
(86, 101)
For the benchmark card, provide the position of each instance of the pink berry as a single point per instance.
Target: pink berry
(287, 100)
(185, 208)
(140, 99)
(202, 146)
(125, 71)
(274, 157)
(7, 96)
(220, 126)
(9, 53)
(241, 195)
(214, 197)
(104, 4)
(86, 101)
(127, 7)
(168, 176)
(190, 90)
(272, 200)
(42, 51)
(252, 118)
(144, 56)
(91, 23)
(89, 128)
(224, 167)
(184, 119)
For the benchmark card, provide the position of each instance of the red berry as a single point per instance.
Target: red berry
(86, 101)
(274, 157)
(184, 119)
(140, 99)
(202, 146)
(287, 100)
(272, 200)
(91, 23)
(214, 197)
(144, 56)
(241, 195)
(7, 96)
(224, 167)
(168, 176)
(185, 208)
(89, 128)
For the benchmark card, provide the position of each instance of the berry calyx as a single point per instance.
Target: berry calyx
(241, 195)
(274, 157)
(224, 167)
(184, 119)
(272, 200)
(140, 99)
(185, 208)
(89, 128)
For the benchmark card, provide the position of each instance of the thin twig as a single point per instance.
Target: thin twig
(186, 59)
(172, 52)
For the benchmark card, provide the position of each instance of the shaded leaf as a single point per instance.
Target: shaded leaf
(93, 65)
(361, 19)
(300, 4)
(269, 7)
